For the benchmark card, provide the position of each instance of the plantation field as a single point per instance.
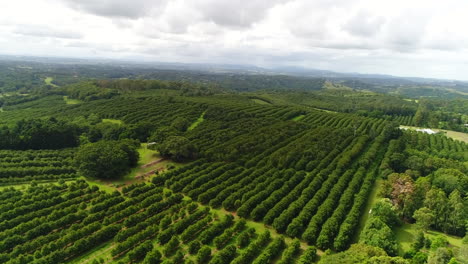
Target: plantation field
(144, 222)
(226, 179)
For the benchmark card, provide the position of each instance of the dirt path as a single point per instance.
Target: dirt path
(146, 174)
(152, 163)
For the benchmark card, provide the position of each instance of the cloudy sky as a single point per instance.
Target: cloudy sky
(427, 38)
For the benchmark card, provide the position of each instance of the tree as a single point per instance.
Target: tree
(162, 133)
(436, 201)
(450, 180)
(204, 255)
(384, 210)
(400, 189)
(424, 218)
(419, 258)
(357, 253)
(439, 242)
(106, 159)
(177, 148)
(456, 220)
(171, 246)
(154, 257)
(419, 241)
(376, 233)
(180, 123)
(440, 256)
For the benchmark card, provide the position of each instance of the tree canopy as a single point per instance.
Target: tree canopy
(106, 159)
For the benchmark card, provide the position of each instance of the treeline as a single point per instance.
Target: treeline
(39, 134)
(242, 82)
(443, 114)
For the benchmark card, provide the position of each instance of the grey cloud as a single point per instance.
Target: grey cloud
(117, 8)
(405, 33)
(364, 24)
(348, 46)
(46, 31)
(234, 14)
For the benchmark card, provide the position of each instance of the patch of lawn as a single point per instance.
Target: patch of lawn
(456, 135)
(71, 101)
(372, 200)
(106, 186)
(297, 118)
(149, 161)
(113, 121)
(49, 81)
(406, 233)
(197, 122)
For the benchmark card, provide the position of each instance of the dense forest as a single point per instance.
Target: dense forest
(116, 164)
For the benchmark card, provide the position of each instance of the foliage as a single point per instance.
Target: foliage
(106, 159)
(177, 148)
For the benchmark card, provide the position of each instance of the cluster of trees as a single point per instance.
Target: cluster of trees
(88, 91)
(378, 229)
(429, 206)
(435, 250)
(362, 253)
(107, 159)
(185, 88)
(39, 134)
(441, 113)
(426, 184)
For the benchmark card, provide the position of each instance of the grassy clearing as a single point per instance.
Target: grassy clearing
(112, 121)
(373, 197)
(49, 81)
(71, 101)
(297, 118)
(406, 234)
(103, 185)
(148, 157)
(197, 122)
(335, 86)
(456, 135)
(449, 133)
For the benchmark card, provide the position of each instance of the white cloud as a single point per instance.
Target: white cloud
(401, 37)
(46, 31)
(117, 8)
